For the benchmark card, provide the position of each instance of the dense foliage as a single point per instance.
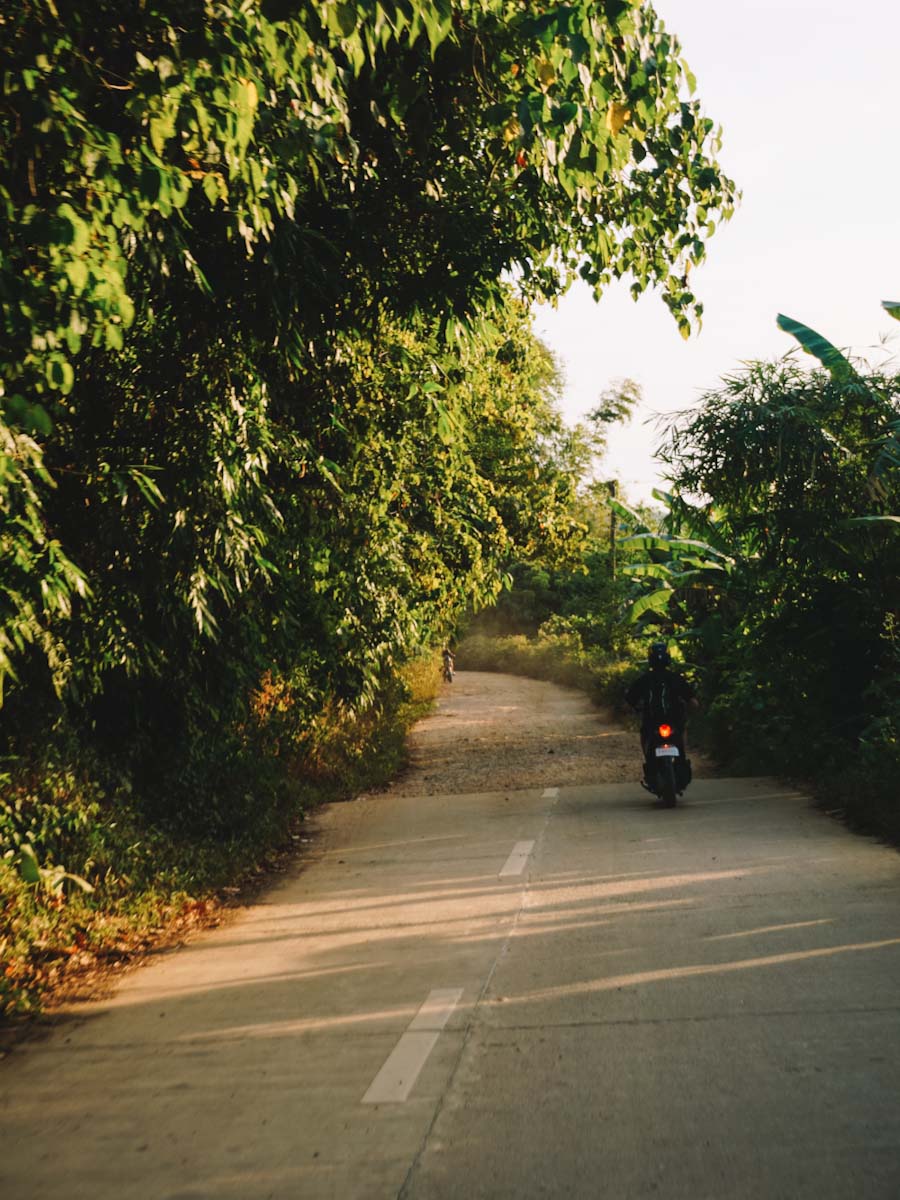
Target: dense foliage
(270, 415)
(773, 571)
(777, 572)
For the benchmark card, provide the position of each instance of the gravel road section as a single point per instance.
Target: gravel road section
(494, 732)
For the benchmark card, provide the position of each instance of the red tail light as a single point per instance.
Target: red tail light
(665, 731)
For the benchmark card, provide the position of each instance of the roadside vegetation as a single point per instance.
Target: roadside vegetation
(272, 416)
(274, 425)
(564, 624)
(771, 569)
(777, 571)
(150, 880)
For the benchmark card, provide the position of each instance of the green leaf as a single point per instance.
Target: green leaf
(151, 182)
(146, 485)
(892, 308)
(871, 520)
(657, 602)
(162, 128)
(648, 570)
(77, 272)
(346, 18)
(655, 541)
(29, 868)
(816, 345)
(36, 419)
(211, 187)
(60, 374)
(568, 182)
(246, 100)
(73, 231)
(444, 423)
(626, 514)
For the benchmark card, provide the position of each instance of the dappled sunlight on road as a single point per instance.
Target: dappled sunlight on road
(724, 937)
(392, 1017)
(669, 974)
(401, 844)
(607, 960)
(648, 883)
(319, 942)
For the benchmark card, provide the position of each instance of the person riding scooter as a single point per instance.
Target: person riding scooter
(661, 694)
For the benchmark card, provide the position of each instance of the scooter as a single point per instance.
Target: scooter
(667, 769)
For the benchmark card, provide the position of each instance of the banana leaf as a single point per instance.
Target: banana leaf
(655, 541)
(870, 520)
(816, 345)
(626, 514)
(657, 601)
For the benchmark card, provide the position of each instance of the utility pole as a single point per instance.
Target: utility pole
(613, 486)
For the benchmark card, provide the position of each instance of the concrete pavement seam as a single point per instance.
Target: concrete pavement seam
(403, 1193)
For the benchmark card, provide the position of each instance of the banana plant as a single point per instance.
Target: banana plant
(842, 371)
(677, 563)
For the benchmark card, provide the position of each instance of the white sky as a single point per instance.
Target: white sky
(808, 94)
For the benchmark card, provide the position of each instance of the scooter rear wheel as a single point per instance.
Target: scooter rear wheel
(667, 781)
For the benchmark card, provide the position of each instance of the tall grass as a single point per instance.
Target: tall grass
(555, 654)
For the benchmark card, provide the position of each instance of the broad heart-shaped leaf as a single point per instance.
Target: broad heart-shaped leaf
(892, 308)
(657, 602)
(816, 345)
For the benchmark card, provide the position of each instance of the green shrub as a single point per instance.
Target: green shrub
(557, 655)
(146, 873)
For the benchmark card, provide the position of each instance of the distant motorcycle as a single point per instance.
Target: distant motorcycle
(667, 769)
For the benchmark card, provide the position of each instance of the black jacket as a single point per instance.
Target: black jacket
(660, 695)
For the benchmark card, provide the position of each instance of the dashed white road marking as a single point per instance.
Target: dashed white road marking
(515, 864)
(550, 793)
(395, 1080)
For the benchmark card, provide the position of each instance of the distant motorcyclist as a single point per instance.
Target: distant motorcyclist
(447, 659)
(660, 694)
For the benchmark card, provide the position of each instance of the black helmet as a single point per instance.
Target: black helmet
(659, 655)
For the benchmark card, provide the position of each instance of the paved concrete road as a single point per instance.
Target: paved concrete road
(525, 993)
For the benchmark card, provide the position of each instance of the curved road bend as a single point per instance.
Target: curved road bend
(502, 979)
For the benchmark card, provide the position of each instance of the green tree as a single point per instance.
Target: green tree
(267, 405)
(778, 567)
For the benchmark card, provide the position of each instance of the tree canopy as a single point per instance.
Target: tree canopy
(270, 398)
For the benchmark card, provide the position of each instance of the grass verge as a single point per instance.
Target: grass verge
(555, 657)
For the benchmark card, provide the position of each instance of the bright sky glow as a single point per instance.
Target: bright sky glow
(807, 92)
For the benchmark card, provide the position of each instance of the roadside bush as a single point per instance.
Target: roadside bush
(145, 874)
(557, 655)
